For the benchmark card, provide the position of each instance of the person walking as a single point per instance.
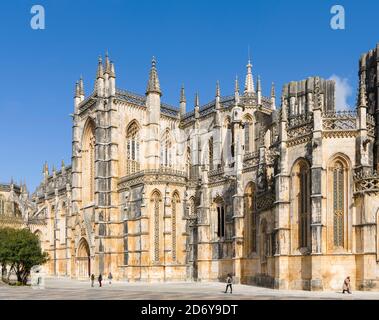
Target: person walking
(100, 278)
(346, 285)
(229, 281)
(92, 280)
(110, 277)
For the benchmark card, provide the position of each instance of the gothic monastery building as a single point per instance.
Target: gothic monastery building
(281, 193)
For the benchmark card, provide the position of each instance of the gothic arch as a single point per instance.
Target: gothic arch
(133, 141)
(192, 207)
(338, 201)
(167, 154)
(83, 258)
(300, 197)
(88, 162)
(219, 216)
(249, 138)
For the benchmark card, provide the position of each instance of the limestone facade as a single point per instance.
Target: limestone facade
(282, 195)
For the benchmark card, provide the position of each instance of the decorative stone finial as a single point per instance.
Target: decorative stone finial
(249, 82)
(182, 94)
(272, 90)
(81, 86)
(77, 89)
(112, 72)
(153, 85)
(218, 91)
(100, 71)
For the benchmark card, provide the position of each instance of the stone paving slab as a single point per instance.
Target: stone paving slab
(63, 289)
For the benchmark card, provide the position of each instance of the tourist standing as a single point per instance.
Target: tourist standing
(346, 285)
(100, 278)
(229, 281)
(92, 280)
(110, 277)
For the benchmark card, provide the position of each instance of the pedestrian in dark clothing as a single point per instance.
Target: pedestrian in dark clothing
(346, 285)
(92, 280)
(110, 277)
(229, 281)
(100, 278)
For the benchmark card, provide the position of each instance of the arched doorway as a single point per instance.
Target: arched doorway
(83, 259)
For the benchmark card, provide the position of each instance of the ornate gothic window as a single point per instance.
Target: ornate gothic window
(220, 207)
(156, 198)
(166, 150)
(132, 148)
(249, 134)
(210, 151)
(338, 204)
(174, 204)
(304, 205)
(88, 163)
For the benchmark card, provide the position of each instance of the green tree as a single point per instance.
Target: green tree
(20, 249)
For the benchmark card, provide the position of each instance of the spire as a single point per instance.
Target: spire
(81, 86)
(272, 90)
(259, 88)
(218, 91)
(182, 94)
(182, 101)
(100, 71)
(62, 164)
(362, 93)
(197, 100)
(259, 91)
(236, 91)
(249, 83)
(273, 100)
(45, 170)
(236, 85)
(153, 84)
(112, 72)
(107, 64)
(77, 90)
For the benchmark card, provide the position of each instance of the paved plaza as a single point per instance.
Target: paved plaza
(56, 289)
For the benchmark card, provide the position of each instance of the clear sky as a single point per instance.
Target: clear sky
(195, 42)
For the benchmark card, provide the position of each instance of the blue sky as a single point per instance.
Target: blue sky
(195, 42)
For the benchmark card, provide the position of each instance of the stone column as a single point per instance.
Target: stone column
(318, 175)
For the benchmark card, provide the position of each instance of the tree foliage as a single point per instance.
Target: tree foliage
(20, 250)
